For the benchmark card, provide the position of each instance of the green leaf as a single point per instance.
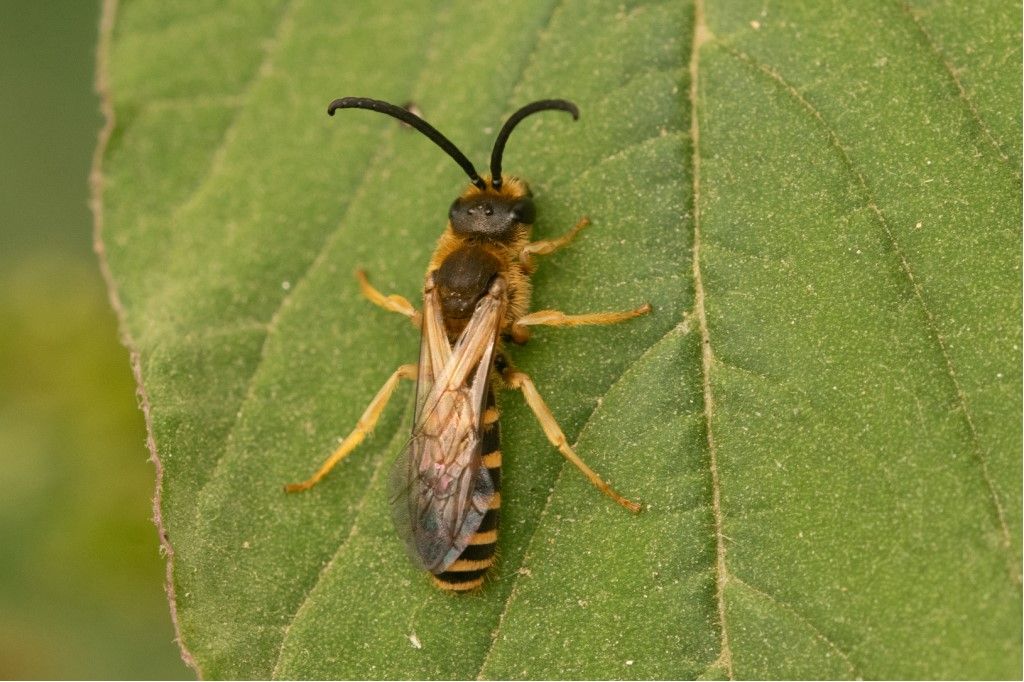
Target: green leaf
(823, 204)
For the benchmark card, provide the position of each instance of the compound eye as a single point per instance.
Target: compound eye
(454, 210)
(523, 211)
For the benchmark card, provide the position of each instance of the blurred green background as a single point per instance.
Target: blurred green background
(81, 577)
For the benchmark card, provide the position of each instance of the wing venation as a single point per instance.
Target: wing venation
(439, 491)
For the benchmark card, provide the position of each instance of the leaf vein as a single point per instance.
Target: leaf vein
(397, 436)
(188, 102)
(271, 327)
(281, 27)
(904, 264)
(951, 71)
(517, 573)
(788, 608)
(299, 284)
(628, 149)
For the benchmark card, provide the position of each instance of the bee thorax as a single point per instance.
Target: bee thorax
(462, 280)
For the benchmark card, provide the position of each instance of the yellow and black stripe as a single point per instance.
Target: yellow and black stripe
(467, 572)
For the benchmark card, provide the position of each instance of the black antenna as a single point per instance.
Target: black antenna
(416, 122)
(513, 121)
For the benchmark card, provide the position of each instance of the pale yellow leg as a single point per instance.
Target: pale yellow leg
(555, 318)
(519, 380)
(546, 246)
(363, 427)
(393, 303)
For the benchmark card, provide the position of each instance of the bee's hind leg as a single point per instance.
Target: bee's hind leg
(363, 427)
(518, 380)
(393, 302)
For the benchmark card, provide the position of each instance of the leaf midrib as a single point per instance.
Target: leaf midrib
(700, 36)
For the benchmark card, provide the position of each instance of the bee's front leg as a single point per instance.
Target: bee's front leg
(394, 302)
(546, 246)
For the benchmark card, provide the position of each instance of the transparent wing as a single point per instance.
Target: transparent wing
(439, 492)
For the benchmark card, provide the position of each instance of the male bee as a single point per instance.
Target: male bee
(445, 487)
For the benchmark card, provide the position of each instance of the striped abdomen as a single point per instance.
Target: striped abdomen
(467, 572)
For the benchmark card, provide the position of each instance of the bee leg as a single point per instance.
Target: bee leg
(518, 380)
(393, 303)
(363, 427)
(546, 246)
(553, 318)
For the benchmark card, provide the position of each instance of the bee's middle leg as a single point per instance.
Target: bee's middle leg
(363, 427)
(394, 302)
(520, 331)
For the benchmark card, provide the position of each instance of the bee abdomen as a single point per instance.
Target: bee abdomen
(468, 571)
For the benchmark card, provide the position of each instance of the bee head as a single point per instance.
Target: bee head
(493, 213)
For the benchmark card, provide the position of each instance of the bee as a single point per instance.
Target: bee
(445, 488)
